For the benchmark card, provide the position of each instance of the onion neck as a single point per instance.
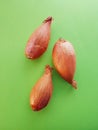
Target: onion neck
(61, 40)
(49, 19)
(48, 69)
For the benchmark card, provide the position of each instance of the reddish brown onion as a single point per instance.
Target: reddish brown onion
(42, 91)
(38, 42)
(65, 61)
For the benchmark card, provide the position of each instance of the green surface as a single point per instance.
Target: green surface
(69, 109)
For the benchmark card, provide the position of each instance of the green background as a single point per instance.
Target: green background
(69, 109)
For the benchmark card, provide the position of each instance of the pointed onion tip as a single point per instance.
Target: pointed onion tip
(48, 68)
(61, 40)
(74, 84)
(49, 19)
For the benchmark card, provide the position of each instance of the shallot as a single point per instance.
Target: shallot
(42, 91)
(39, 40)
(64, 60)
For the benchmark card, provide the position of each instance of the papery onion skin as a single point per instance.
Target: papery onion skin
(38, 42)
(64, 60)
(42, 91)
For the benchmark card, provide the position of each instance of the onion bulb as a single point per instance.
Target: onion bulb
(42, 91)
(64, 60)
(38, 41)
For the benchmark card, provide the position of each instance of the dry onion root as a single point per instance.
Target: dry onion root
(65, 61)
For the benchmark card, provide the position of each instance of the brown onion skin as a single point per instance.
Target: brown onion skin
(42, 91)
(64, 60)
(38, 42)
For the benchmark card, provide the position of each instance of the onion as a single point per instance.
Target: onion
(38, 42)
(65, 61)
(42, 91)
